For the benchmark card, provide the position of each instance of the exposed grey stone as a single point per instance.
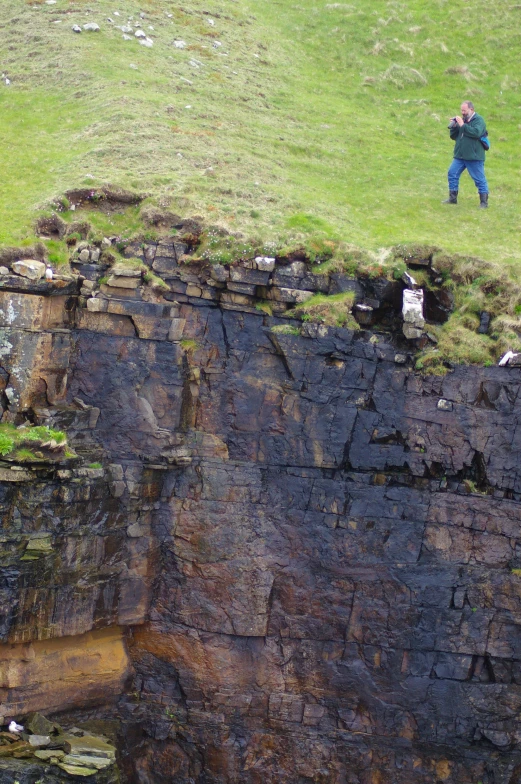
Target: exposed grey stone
(409, 280)
(123, 282)
(76, 29)
(29, 268)
(91, 27)
(115, 470)
(117, 489)
(77, 770)
(412, 309)
(265, 263)
(49, 754)
(252, 276)
(176, 329)
(87, 761)
(241, 288)
(39, 741)
(4, 271)
(289, 295)
(220, 273)
(39, 724)
(84, 255)
(40, 544)
(125, 272)
(445, 405)
(97, 305)
(297, 269)
(411, 332)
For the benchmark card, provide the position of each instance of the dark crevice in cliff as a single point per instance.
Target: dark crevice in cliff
(225, 335)
(279, 352)
(188, 413)
(475, 473)
(368, 404)
(131, 321)
(483, 400)
(391, 438)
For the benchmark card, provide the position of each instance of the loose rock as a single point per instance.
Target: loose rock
(32, 269)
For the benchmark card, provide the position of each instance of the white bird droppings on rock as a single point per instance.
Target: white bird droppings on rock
(412, 311)
(510, 358)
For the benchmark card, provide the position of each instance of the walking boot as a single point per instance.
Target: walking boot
(453, 198)
(483, 200)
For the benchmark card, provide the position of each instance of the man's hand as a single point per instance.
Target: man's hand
(459, 120)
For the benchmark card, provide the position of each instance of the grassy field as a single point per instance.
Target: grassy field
(277, 118)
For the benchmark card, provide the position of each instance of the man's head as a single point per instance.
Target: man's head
(467, 109)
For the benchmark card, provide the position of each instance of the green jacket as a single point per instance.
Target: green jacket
(467, 137)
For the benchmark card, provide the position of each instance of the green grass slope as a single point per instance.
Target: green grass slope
(276, 118)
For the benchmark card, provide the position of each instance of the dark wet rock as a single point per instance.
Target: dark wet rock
(298, 561)
(484, 322)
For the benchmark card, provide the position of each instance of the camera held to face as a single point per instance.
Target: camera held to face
(452, 123)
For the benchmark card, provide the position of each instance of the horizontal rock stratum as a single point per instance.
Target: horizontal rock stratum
(300, 559)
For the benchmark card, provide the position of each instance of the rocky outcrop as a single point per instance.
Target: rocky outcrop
(311, 552)
(42, 750)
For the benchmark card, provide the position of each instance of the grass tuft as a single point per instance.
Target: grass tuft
(285, 329)
(332, 311)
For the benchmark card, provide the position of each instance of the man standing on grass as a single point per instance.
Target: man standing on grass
(469, 153)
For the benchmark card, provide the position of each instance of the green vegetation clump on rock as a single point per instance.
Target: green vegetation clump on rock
(332, 311)
(22, 443)
(285, 329)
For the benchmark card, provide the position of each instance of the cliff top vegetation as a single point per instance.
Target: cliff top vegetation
(280, 119)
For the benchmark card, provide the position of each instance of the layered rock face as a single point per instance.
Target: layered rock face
(300, 562)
